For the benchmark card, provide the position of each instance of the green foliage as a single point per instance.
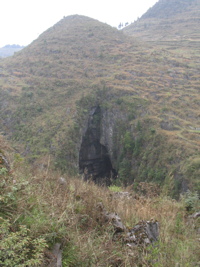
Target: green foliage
(70, 256)
(137, 146)
(128, 143)
(173, 253)
(3, 171)
(138, 127)
(191, 169)
(152, 256)
(153, 131)
(191, 201)
(179, 224)
(18, 248)
(125, 172)
(115, 188)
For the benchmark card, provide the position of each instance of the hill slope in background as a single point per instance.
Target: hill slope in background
(170, 23)
(9, 50)
(84, 80)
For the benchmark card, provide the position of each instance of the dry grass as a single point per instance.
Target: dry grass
(68, 213)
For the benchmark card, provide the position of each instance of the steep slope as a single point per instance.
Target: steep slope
(170, 23)
(84, 80)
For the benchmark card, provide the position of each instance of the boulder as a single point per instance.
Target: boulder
(62, 181)
(195, 215)
(54, 257)
(144, 233)
(116, 222)
(112, 218)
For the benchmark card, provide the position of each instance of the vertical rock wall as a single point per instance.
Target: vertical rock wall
(94, 158)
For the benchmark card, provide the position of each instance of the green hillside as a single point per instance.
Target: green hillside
(172, 24)
(83, 78)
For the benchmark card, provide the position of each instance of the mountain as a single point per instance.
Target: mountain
(173, 23)
(102, 103)
(9, 50)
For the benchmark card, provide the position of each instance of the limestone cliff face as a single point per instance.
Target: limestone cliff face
(110, 128)
(94, 155)
(101, 147)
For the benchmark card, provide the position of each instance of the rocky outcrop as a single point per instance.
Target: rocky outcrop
(143, 233)
(113, 218)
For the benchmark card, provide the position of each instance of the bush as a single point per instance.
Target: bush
(191, 201)
(18, 248)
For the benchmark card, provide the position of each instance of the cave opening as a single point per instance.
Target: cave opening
(94, 159)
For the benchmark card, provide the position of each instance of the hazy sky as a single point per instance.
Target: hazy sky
(22, 21)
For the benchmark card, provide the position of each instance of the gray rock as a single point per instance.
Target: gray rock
(144, 233)
(57, 252)
(62, 181)
(116, 221)
(195, 215)
(112, 218)
(122, 195)
(152, 230)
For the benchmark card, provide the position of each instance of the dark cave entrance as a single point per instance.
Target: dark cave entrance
(94, 159)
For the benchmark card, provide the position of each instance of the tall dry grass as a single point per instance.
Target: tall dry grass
(67, 213)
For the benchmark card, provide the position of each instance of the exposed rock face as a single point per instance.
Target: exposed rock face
(109, 124)
(94, 160)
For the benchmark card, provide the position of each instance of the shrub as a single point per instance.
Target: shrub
(191, 201)
(18, 248)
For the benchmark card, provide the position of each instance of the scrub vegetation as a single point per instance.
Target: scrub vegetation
(147, 94)
(37, 211)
